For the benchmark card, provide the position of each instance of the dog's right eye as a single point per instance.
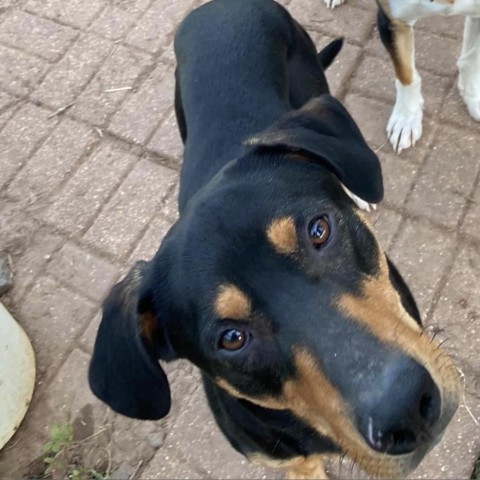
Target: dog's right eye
(233, 340)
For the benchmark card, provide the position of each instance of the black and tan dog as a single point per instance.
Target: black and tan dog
(272, 281)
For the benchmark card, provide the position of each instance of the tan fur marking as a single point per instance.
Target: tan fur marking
(148, 326)
(231, 302)
(131, 284)
(311, 396)
(308, 468)
(381, 310)
(384, 290)
(311, 467)
(403, 56)
(266, 402)
(282, 234)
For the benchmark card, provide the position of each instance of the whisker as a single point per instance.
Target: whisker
(399, 321)
(467, 408)
(352, 466)
(436, 331)
(427, 435)
(442, 342)
(276, 445)
(377, 219)
(342, 463)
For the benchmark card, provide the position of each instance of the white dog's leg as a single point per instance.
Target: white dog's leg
(405, 125)
(469, 67)
(333, 3)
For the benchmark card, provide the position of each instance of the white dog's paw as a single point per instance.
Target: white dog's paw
(405, 125)
(471, 97)
(404, 128)
(333, 3)
(473, 105)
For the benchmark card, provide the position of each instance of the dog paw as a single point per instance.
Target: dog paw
(471, 99)
(404, 128)
(333, 3)
(473, 105)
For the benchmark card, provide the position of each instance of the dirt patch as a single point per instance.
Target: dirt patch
(74, 451)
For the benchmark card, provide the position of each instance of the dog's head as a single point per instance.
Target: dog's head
(273, 283)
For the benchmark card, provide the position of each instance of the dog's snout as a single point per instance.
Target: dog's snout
(398, 415)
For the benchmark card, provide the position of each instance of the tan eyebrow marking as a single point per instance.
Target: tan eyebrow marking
(148, 326)
(231, 302)
(282, 234)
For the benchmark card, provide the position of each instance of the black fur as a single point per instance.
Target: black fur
(328, 54)
(384, 25)
(132, 363)
(266, 66)
(263, 140)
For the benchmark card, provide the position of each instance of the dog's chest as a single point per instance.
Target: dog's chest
(412, 10)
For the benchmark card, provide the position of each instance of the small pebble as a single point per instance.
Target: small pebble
(6, 275)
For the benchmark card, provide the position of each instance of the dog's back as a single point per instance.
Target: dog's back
(263, 65)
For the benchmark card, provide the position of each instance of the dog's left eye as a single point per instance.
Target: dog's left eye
(233, 340)
(319, 231)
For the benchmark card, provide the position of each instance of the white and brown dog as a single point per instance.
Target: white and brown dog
(396, 19)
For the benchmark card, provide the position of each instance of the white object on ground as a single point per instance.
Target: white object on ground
(17, 375)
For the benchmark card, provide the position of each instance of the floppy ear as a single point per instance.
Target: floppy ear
(124, 371)
(325, 133)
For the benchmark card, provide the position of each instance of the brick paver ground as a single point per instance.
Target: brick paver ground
(89, 159)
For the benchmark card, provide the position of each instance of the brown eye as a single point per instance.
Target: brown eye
(233, 340)
(319, 231)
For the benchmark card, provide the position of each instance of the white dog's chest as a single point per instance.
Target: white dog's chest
(411, 10)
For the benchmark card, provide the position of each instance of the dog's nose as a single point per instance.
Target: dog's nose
(400, 410)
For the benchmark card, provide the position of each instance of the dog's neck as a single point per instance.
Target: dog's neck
(238, 73)
(222, 140)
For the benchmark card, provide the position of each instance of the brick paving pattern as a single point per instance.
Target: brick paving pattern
(89, 161)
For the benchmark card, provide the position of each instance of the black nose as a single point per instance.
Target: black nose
(399, 410)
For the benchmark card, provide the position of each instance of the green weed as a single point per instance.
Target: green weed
(62, 459)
